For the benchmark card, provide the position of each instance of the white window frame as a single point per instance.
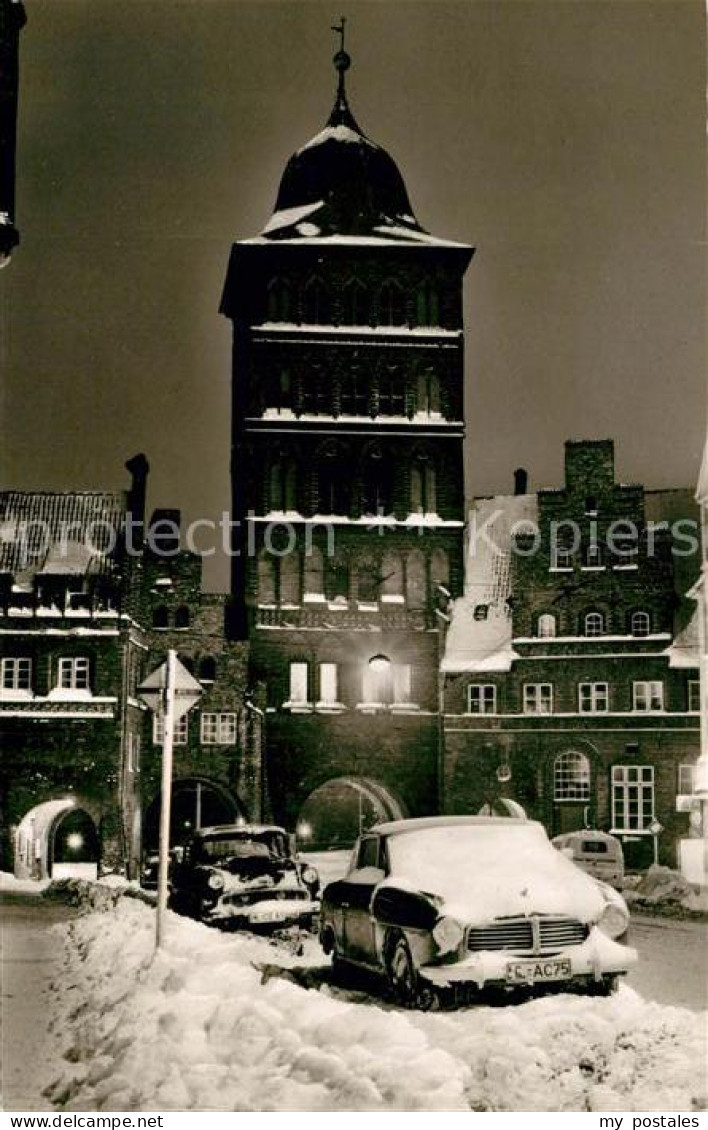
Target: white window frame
(16, 675)
(571, 784)
(563, 559)
(593, 616)
(74, 673)
(180, 730)
(644, 694)
(328, 685)
(685, 776)
(646, 621)
(299, 685)
(217, 727)
(633, 798)
(538, 698)
(598, 698)
(486, 694)
(694, 696)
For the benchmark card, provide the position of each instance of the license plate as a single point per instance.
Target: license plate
(268, 916)
(527, 972)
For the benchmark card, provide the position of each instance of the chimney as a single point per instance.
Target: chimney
(138, 468)
(521, 480)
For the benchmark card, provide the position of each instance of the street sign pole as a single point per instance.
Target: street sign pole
(168, 718)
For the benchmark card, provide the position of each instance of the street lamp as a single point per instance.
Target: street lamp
(380, 664)
(170, 691)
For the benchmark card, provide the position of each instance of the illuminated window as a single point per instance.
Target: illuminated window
(299, 680)
(546, 626)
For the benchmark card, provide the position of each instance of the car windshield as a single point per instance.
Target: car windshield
(265, 845)
(497, 869)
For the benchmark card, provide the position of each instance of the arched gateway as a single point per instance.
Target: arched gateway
(57, 840)
(196, 803)
(340, 809)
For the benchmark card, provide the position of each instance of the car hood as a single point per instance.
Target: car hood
(477, 888)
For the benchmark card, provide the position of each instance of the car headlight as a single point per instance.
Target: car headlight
(613, 921)
(216, 881)
(310, 876)
(448, 934)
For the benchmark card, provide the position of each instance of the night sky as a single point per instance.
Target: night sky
(564, 140)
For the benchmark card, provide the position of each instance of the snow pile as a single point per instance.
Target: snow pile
(663, 890)
(217, 1022)
(9, 884)
(96, 895)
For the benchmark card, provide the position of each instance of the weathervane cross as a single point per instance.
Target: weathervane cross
(339, 28)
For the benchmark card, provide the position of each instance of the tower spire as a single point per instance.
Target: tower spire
(341, 114)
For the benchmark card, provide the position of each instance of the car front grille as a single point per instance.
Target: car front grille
(537, 934)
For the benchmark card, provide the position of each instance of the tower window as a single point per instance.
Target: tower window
(355, 304)
(423, 488)
(333, 483)
(392, 305)
(354, 394)
(315, 305)
(428, 393)
(182, 617)
(283, 484)
(316, 393)
(280, 303)
(427, 304)
(377, 484)
(392, 393)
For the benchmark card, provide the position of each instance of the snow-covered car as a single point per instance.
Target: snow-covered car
(461, 904)
(244, 875)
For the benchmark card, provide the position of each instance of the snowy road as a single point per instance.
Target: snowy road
(673, 961)
(27, 951)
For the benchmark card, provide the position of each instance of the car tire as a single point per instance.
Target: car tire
(608, 985)
(402, 975)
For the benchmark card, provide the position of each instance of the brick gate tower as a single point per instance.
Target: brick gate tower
(347, 472)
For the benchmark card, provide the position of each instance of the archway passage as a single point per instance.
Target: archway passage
(341, 809)
(57, 840)
(196, 803)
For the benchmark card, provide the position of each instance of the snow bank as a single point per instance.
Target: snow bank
(662, 890)
(200, 1027)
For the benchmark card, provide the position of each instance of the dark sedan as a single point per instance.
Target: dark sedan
(244, 875)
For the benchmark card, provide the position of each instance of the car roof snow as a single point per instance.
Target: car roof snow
(420, 823)
(238, 829)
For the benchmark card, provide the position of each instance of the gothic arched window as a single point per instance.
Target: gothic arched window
(314, 573)
(391, 392)
(182, 617)
(355, 304)
(392, 305)
(267, 585)
(315, 303)
(290, 586)
(416, 580)
(377, 483)
(333, 479)
(280, 301)
(423, 486)
(427, 304)
(283, 484)
(428, 393)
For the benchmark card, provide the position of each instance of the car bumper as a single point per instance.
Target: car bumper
(271, 913)
(597, 957)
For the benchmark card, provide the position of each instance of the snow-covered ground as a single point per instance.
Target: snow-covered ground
(9, 883)
(224, 1022)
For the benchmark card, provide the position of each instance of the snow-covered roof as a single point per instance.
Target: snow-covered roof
(484, 644)
(70, 533)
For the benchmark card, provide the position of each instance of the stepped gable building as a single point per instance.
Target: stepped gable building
(347, 454)
(82, 621)
(571, 665)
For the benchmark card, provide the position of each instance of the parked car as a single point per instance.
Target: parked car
(244, 875)
(461, 904)
(598, 853)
